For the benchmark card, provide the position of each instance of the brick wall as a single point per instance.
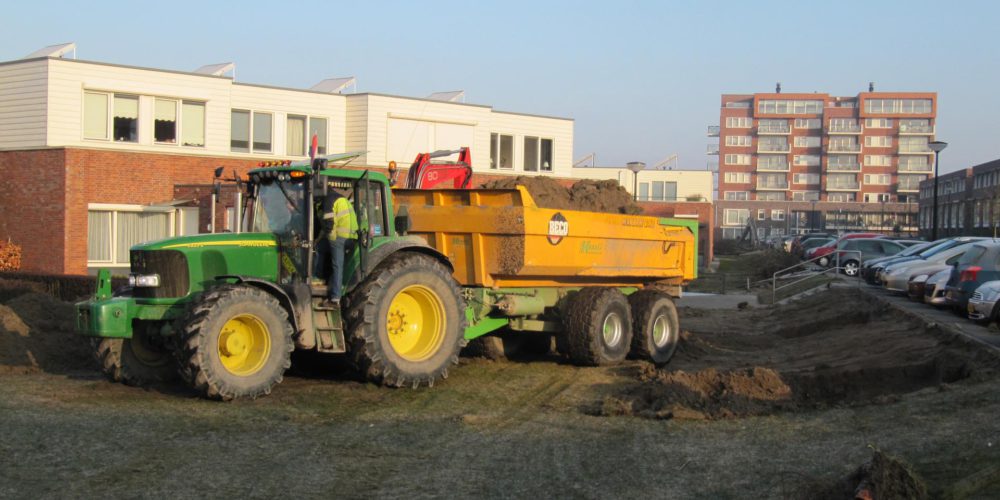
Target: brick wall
(32, 202)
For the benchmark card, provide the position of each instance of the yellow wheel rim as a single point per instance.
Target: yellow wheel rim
(415, 323)
(244, 345)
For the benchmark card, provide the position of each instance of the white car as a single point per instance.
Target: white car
(896, 277)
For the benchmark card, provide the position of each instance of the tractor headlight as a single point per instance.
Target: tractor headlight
(144, 280)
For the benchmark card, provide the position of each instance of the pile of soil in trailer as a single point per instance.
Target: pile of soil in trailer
(587, 195)
(832, 349)
(36, 335)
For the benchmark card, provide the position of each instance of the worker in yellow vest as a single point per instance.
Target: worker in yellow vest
(342, 230)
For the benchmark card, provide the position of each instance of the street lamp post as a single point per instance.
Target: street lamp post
(937, 147)
(812, 217)
(635, 167)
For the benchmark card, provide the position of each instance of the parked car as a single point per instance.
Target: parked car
(868, 267)
(896, 277)
(853, 252)
(813, 243)
(937, 246)
(983, 303)
(799, 241)
(826, 250)
(934, 288)
(979, 264)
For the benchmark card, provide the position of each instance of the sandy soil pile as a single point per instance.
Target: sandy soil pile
(36, 334)
(884, 476)
(587, 195)
(832, 349)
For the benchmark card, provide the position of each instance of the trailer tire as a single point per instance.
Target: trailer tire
(598, 327)
(235, 342)
(136, 361)
(406, 322)
(655, 327)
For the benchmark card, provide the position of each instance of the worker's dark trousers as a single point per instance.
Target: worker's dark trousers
(339, 248)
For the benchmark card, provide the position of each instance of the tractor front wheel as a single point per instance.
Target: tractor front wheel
(406, 322)
(139, 361)
(235, 342)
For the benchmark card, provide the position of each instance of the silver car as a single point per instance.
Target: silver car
(983, 303)
(934, 288)
(896, 277)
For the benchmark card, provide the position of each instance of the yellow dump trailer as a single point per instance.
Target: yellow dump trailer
(602, 283)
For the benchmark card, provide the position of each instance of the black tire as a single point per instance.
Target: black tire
(405, 277)
(655, 327)
(598, 327)
(851, 268)
(208, 320)
(139, 361)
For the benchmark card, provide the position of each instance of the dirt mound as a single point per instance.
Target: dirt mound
(587, 195)
(833, 349)
(882, 477)
(36, 334)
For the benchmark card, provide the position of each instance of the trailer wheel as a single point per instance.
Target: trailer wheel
(406, 322)
(655, 328)
(139, 361)
(235, 342)
(598, 327)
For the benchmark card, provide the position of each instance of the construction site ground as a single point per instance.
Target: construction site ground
(771, 402)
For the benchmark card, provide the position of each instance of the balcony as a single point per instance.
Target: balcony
(834, 147)
(712, 149)
(914, 150)
(920, 169)
(843, 167)
(772, 166)
(907, 187)
(905, 129)
(854, 129)
(772, 186)
(713, 130)
(843, 186)
(763, 147)
(773, 129)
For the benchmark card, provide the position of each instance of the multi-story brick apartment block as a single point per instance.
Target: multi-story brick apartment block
(796, 162)
(968, 202)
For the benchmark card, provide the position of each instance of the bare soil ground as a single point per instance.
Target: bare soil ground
(786, 403)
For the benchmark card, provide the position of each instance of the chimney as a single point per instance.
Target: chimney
(871, 86)
(777, 88)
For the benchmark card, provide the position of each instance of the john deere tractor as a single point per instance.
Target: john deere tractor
(225, 311)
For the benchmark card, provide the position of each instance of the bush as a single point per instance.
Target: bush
(10, 256)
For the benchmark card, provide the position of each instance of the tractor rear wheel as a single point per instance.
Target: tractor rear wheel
(139, 361)
(598, 327)
(655, 328)
(235, 342)
(406, 322)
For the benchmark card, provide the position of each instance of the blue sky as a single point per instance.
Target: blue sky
(641, 79)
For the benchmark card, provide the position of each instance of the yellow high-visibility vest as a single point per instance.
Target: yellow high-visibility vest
(345, 221)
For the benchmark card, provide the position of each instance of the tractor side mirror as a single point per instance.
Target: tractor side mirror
(402, 221)
(318, 164)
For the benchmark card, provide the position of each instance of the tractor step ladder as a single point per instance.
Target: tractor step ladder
(329, 328)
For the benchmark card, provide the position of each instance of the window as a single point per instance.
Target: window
(878, 141)
(807, 142)
(661, 191)
(736, 216)
(535, 156)
(643, 190)
(805, 178)
(295, 136)
(193, 124)
(736, 195)
(317, 127)
(913, 145)
(502, 151)
(739, 140)
(876, 197)
(844, 125)
(125, 125)
(770, 196)
(910, 182)
(920, 163)
(113, 229)
(840, 197)
(785, 107)
(841, 181)
(806, 160)
(737, 177)
(877, 179)
(772, 144)
(772, 181)
(915, 126)
(773, 127)
(761, 214)
(737, 159)
(739, 122)
(772, 162)
(808, 123)
(898, 106)
(842, 162)
(805, 195)
(844, 145)
(777, 214)
(878, 122)
(95, 115)
(239, 134)
(165, 121)
(262, 125)
(878, 161)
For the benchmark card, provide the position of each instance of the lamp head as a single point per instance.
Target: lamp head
(937, 146)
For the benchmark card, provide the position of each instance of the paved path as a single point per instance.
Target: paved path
(716, 301)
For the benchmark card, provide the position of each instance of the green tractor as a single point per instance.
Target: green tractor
(225, 311)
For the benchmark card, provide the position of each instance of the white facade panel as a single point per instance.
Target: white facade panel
(23, 105)
(690, 183)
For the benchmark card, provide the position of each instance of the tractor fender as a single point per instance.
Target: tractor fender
(279, 293)
(405, 243)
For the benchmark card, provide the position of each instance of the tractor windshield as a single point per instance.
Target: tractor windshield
(280, 207)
